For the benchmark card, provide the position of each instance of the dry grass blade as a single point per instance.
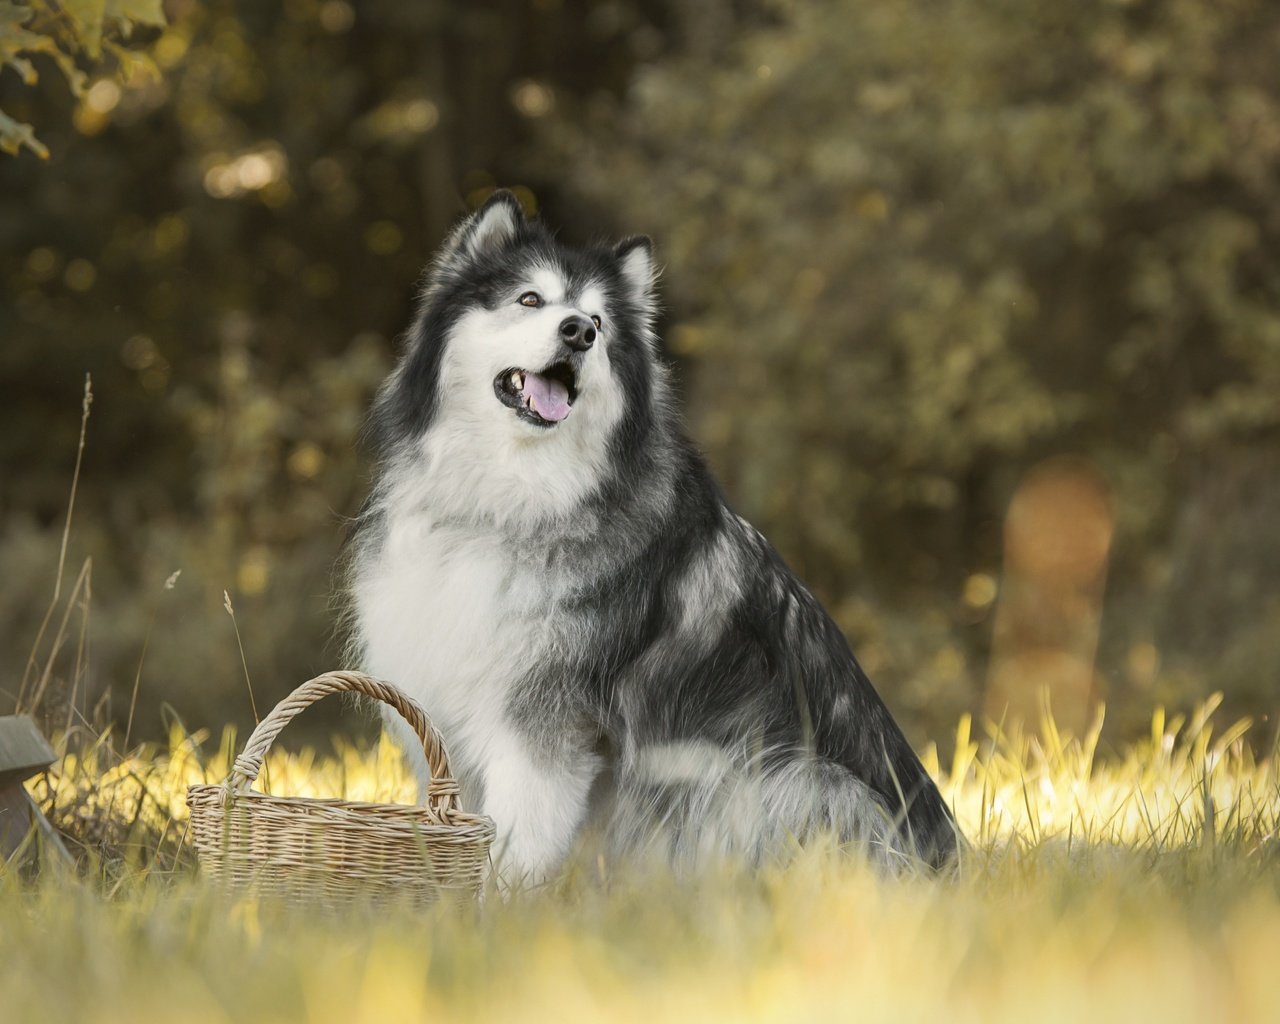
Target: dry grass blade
(169, 584)
(244, 662)
(32, 659)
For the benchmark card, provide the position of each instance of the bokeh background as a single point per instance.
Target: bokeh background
(975, 307)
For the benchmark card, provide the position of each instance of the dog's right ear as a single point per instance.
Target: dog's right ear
(636, 266)
(490, 228)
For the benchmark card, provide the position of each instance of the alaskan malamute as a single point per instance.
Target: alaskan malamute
(546, 564)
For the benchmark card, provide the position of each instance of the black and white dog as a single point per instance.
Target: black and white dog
(547, 566)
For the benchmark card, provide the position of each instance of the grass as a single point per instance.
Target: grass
(1139, 885)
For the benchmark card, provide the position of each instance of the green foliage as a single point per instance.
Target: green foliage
(912, 250)
(65, 32)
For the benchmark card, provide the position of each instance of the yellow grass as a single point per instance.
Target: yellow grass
(1139, 885)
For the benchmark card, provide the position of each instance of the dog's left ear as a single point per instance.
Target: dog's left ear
(491, 227)
(635, 264)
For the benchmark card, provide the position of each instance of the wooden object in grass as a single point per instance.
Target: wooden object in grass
(1057, 542)
(24, 752)
(340, 851)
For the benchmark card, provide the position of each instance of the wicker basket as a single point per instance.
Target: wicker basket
(336, 851)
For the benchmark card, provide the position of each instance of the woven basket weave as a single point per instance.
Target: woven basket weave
(336, 851)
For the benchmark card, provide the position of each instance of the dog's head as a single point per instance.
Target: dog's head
(527, 357)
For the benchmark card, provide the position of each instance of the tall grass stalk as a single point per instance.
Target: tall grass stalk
(85, 404)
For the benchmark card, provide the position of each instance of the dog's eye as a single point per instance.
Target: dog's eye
(531, 299)
(596, 320)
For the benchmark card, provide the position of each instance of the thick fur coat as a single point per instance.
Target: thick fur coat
(546, 564)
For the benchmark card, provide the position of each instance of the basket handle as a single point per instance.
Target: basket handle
(442, 791)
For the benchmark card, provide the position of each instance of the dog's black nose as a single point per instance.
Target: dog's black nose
(577, 332)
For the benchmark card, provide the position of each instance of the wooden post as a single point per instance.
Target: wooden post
(1057, 543)
(24, 752)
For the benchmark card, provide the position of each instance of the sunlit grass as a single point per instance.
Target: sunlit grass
(1141, 884)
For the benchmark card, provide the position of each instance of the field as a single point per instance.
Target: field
(1136, 884)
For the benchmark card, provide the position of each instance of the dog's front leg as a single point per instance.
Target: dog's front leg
(537, 796)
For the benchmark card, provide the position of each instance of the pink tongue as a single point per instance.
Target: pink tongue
(548, 397)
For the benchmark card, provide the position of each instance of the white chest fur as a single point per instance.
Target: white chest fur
(449, 615)
(443, 614)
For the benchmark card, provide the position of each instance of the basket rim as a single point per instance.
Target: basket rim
(378, 815)
(442, 792)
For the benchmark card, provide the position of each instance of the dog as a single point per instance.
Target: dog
(546, 564)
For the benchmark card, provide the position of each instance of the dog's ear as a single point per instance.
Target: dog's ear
(636, 267)
(490, 228)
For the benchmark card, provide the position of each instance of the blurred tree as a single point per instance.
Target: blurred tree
(916, 247)
(914, 250)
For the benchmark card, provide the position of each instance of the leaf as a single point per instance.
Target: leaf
(133, 63)
(13, 16)
(25, 69)
(76, 78)
(16, 40)
(86, 19)
(88, 15)
(141, 12)
(14, 135)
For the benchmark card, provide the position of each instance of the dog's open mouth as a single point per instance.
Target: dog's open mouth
(543, 398)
